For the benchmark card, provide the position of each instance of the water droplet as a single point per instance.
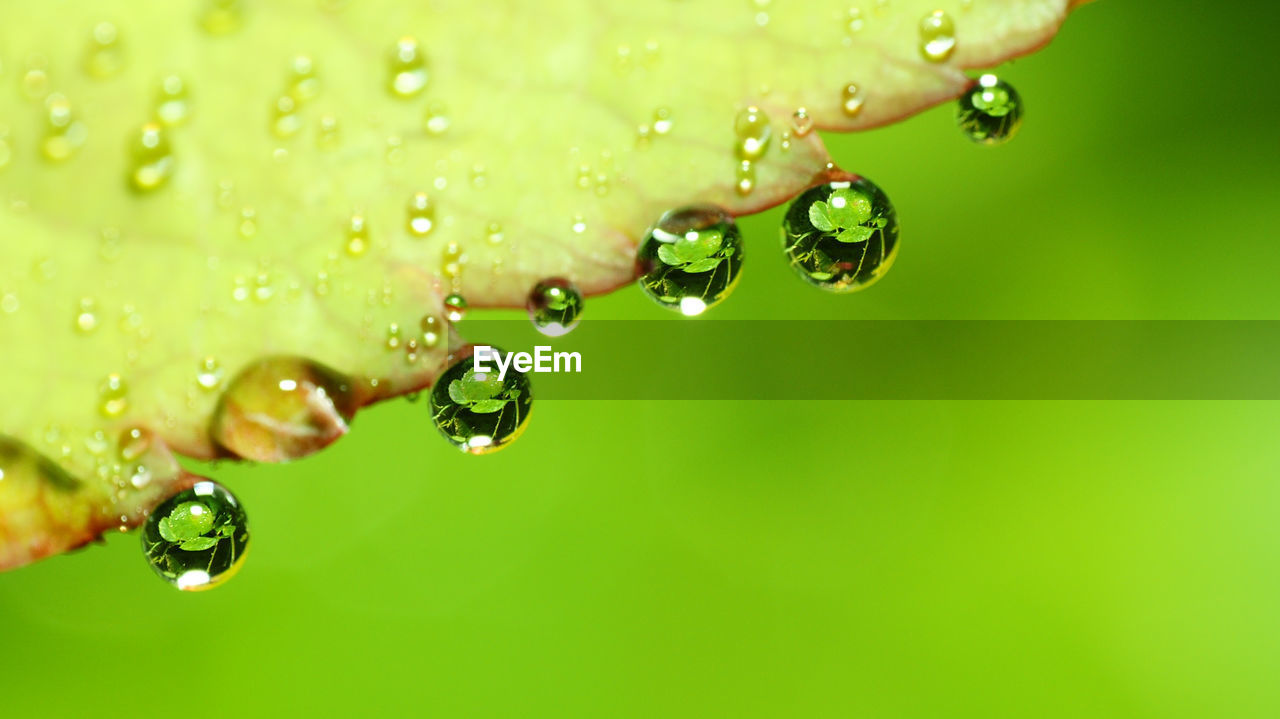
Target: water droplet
(104, 56)
(662, 121)
(451, 260)
(113, 396)
(579, 224)
(431, 328)
(172, 101)
(801, 122)
(494, 233)
(248, 223)
(691, 259)
(937, 36)
(421, 215)
(851, 100)
(197, 539)
(754, 131)
(555, 307)
(86, 319)
(436, 119)
(134, 442)
(357, 236)
(209, 374)
(329, 134)
(9, 303)
(150, 158)
(408, 68)
(64, 134)
(221, 16)
(990, 113)
(455, 307)
(303, 83)
(745, 178)
(481, 412)
(841, 236)
(285, 120)
(35, 81)
(855, 21)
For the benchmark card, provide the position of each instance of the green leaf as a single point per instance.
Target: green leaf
(820, 216)
(198, 544)
(855, 234)
(456, 392)
(246, 255)
(669, 256)
(705, 265)
(166, 530)
(487, 406)
(849, 208)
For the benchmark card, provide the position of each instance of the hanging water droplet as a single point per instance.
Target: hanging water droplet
(221, 16)
(754, 131)
(481, 412)
(408, 68)
(86, 317)
(197, 539)
(150, 158)
(421, 215)
(851, 100)
(113, 396)
(357, 236)
(436, 119)
(937, 36)
(990, 113)
(455, 306)
(134, 442)
(555, 307)
(172, 101)
(64, 134)
(104, 56)
(841, 236)
(802, 122)
(745, 178)
(691, 259)
(303, 84)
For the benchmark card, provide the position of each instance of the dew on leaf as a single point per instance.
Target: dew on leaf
(421, 215)
(134, 442)
(173, 104)
(801, 122)
(851, 100)
(113, 396)
(937, 36)
(86, 316)
(481, 412)
(990, 113)
(303, 84)
(104, 56)
(455, 306)
(691, 259)
(745, 177)
(407, 69)
(285, 120)
(841, 236)
(554, 306)
(436, 119)
(357, 235)
(662, 121)
(150, 158)
(753, 131)
(64, 134)
(197, 538)
(329, 133)
(431, 328)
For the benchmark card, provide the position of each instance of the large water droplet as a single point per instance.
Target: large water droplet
(407, 68)
(841, 236)
(937, 36)
(150, 158)
(197, 539)
(691, 259)
(753, 130)
(555, 307)
(990, 113)
(482, 412)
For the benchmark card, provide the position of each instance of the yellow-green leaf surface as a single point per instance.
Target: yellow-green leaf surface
(228, 224)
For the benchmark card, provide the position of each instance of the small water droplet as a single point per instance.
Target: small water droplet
(134, 442)
(451, 260)
(35, 81)
(841, 236)
(937, 36)
(436, 119)
(431, 329)
(104, 56)
(64, 134)
(357, 236)
(197, 539)
(855, 21)
(393, 336)
(150, 158)
(408, 69)
(851, 100)
(555, 307)
(113, 396)
(494, 233)
(209, 374)
(691, 259)
(173, 104)
(579, 225)
(248, 223)
(754, 131)
(303, 84)
(86, 317)
(421, 215)
(481, 412)
(329, 133)
(745, 178)
(801, 122)
(455, 307)
(990, 113)
(285, 120)
(221, 17)
(662, 121)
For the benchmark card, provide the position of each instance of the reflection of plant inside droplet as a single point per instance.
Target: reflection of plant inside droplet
(480, 412)
(990, 113)
(197, 538)
(841, 236)
(691, 259)
(555, 307)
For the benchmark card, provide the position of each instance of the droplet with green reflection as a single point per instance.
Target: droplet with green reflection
(481, 412)
(691, 259)
(555, 307)
(197, 539)
(990, 113)
(841, 236)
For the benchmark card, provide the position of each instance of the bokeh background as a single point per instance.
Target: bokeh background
(798, 559)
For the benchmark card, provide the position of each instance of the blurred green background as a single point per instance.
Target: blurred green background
(877, 559)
